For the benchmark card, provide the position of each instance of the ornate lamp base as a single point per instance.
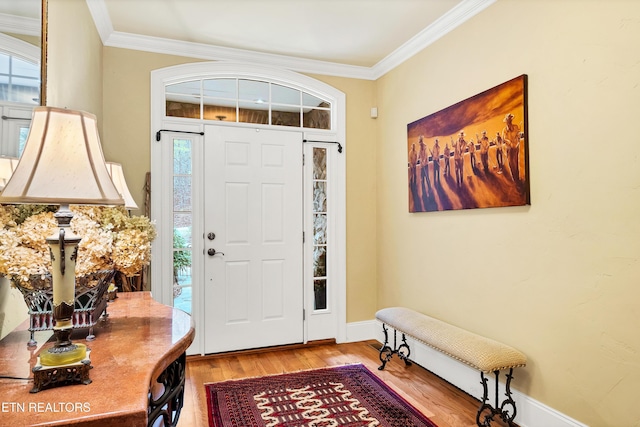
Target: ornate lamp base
(63, 354)
(66, 374)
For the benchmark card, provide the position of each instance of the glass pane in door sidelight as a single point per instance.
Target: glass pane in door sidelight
(320, 291)
(320, 294)
(182, 224)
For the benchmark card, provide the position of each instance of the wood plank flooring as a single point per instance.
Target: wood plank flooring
(443, 403)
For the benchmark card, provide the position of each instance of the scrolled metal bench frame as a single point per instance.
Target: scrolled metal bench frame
(386, 353)
(486, 412)
(503, 412)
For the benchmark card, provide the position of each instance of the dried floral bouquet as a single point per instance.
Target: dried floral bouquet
(111, 240)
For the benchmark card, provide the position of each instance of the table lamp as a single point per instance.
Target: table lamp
(117, 175)
(62, 164)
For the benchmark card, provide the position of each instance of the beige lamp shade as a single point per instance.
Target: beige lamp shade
(117, 176)
(62, 162)
(7, 166)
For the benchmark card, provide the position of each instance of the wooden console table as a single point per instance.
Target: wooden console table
(138, 360)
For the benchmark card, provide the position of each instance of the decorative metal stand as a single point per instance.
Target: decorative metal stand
(53, 376)
(169, 404)
(90, 303)
(486, 412)
(386, 352)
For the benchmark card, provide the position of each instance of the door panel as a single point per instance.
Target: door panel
(253, 204)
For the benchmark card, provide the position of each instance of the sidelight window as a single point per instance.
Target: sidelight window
(182, 224)
(319, 228)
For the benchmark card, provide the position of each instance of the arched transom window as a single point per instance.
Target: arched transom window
(240, 100)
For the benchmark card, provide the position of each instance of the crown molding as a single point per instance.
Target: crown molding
(455, 17)
(20, 48)
(445, 24)
(101, 18)
(19, 25)
(219, 53)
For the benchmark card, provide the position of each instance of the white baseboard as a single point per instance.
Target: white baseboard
(362, 331)
(530, 412)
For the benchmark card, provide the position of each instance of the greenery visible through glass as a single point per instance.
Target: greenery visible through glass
(181, 260)
(182, 223)
(320, 228)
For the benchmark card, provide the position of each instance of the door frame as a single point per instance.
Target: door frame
(161, 184)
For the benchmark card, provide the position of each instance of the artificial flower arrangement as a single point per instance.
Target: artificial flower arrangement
(111, 240)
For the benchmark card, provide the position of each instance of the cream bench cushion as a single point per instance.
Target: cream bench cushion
(483, 354)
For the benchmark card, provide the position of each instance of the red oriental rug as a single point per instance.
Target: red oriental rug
(348, 395)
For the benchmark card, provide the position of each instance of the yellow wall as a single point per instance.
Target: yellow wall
(361, 196)
(126, 135)
(74, 60)
(558, 279)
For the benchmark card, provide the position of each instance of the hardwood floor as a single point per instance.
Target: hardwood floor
(443, 403)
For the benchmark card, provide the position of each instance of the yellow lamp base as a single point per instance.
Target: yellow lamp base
(61, 375)
(51, 357)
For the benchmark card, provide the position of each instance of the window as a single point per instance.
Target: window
(182, 224)
(247, 101)
(14, 127)
(19, 92)
(19, 80)
(319, 183)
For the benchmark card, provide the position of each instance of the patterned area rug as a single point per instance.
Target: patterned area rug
(343, 396)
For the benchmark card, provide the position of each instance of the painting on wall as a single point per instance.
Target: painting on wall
(473, 154)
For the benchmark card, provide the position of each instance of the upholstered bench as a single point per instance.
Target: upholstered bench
(483, 354)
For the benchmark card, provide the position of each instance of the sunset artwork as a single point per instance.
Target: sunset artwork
(473, 154)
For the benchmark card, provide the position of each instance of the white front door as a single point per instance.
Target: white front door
(253, 224)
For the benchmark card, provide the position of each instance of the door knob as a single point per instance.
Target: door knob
(211, 236)
(212, 252)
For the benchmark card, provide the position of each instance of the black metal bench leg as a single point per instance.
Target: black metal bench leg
(386, 353)
(403, 350)
(487, 412)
